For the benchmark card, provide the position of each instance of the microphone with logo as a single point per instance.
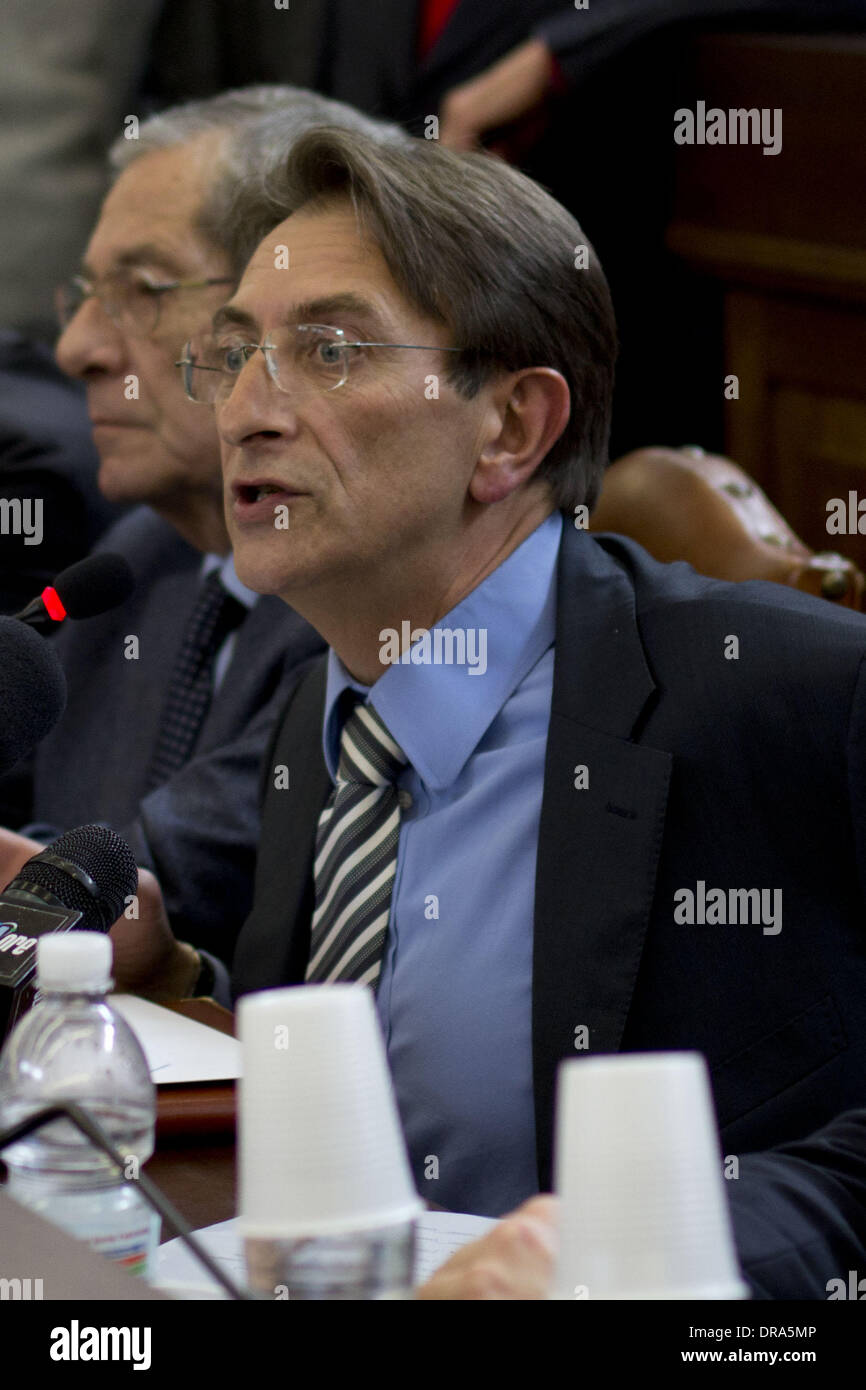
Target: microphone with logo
(83, 880)
(85, 589)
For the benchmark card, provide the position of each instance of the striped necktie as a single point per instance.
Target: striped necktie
(356, 854)
(216, 614)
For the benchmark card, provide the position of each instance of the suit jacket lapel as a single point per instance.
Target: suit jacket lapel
(274, 945)
(598, 844)
(248, 683)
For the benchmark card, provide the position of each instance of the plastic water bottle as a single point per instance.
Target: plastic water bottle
(73, 1047)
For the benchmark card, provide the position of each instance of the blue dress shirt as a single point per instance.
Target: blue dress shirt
(455, 990)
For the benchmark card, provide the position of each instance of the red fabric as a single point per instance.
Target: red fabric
(435, 14)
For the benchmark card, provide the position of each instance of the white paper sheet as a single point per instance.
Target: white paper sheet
(178, 1049)
(440, 1233)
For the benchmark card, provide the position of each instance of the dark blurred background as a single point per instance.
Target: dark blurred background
(722, 260)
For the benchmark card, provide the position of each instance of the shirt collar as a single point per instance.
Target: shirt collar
(439, 713)
(229, 579)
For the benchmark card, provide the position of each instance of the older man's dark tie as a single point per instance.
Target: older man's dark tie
(356, 854)
(215, 615)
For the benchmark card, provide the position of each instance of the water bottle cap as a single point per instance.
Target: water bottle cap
(74, 962)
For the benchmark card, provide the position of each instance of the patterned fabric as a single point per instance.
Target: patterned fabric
(216, 614)
(356, 854)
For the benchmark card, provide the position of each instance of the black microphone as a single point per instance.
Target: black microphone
(80, 881)
(89, 587)
(32, 691)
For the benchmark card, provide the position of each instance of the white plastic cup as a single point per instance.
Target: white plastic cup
(321, 1156)
(638, 1169)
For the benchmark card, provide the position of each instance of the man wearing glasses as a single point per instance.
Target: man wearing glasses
(503, 859)
(172, 697)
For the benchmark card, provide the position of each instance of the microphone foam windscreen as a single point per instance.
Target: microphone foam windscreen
(104, 856)
(32, 690)
(94, 585)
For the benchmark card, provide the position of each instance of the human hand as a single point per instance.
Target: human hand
(503, 94)
(15, 850)
(513, 1261)
(148, 958)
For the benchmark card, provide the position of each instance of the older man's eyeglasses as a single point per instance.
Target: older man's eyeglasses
(306, 359)
(132, 301)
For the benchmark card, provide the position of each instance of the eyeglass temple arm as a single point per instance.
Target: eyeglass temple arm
(416, 347)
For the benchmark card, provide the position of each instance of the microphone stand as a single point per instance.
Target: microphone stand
(88, 1126)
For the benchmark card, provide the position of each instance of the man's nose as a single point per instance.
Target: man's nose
(254, 405)
(90, 341)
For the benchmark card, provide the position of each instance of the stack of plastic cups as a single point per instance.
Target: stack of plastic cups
(327, 1202)
(638, 1171)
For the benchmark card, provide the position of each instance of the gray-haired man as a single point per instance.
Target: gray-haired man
(172, 697)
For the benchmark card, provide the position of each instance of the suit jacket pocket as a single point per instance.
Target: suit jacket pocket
(783, 1058)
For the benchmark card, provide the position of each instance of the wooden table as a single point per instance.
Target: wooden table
(194, 1161)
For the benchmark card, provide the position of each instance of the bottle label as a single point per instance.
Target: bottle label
(131, 1248)
(115, 1222)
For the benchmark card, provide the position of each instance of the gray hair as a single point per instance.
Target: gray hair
(260, 124)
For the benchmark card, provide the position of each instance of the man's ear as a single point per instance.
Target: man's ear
(528, 412)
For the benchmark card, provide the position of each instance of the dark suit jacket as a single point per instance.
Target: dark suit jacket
(198, 831)
(203, 46)
(741, 773)
(799, 1213)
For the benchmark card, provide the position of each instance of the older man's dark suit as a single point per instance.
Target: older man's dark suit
(747, 772)
(198, 831)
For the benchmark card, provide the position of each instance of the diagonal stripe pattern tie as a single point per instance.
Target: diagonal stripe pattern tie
(356, 855)
(215, 615)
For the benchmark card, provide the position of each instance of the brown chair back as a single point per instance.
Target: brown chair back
(683, 504)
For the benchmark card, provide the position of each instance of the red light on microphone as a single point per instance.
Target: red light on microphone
(53, 605)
